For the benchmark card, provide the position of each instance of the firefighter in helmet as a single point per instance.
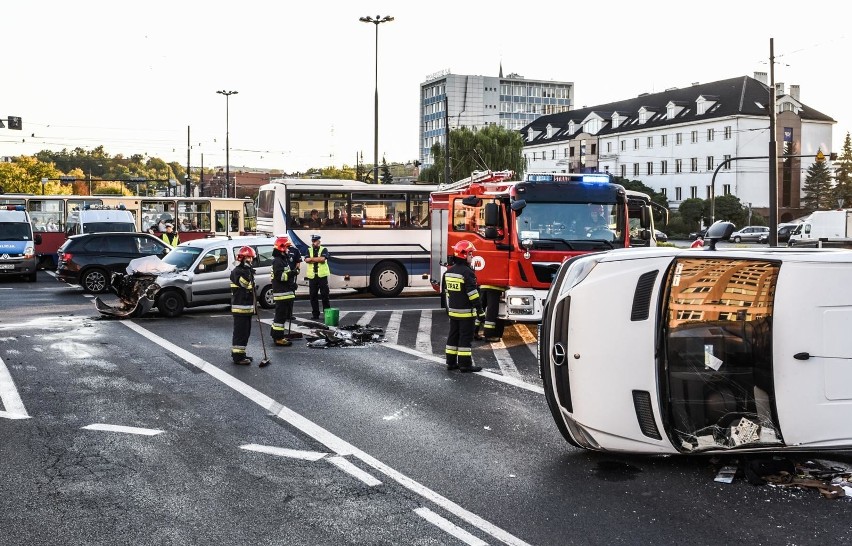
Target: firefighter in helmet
(463, 307)
(242, 304)
(283, 290)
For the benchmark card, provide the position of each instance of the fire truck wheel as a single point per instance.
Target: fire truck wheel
(387, 280)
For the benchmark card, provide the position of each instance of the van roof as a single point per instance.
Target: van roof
(14, 216)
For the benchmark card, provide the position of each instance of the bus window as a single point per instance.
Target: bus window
(156, 214)
(193, 216)
(379, 210)
(249, 217)
(47, 214)
(418, 211)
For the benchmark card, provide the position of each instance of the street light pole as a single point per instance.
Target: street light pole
(227, 142)
(377, 21)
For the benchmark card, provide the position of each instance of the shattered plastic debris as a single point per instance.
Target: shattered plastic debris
(344, 336)
(745, 432)
(831, 479)
(726, 474)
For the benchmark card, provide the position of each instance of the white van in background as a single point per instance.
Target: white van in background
(17, 243)
(99, 219)
(823, 225)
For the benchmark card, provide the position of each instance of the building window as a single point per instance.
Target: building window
(594, 148)
(571, 150)
(624, 171)
(711, 135)
(693, 192)
(635, 143)
(694, 137)
(664, 192)
(678, 165)
(552, 154)
(727, 132)
(726, 189)
(727, 162)
(664, 140)
(693, 165)
(710, 163)
(565, 152)
(664, 167)
(708, 192)
(650, 142)
(635, 169)
(678, 194)
(650, 166)
(623, 145)
(678, 139)
(608, 147)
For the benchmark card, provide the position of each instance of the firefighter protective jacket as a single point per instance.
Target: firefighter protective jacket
(462, 296)
(242, 289)
(282, 286)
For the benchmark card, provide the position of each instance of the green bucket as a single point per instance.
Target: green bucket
(332, 316)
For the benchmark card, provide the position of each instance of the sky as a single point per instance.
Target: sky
(133, 76)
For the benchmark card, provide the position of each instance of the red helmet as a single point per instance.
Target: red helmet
(282, 242)
(246, 252)
(463, 249)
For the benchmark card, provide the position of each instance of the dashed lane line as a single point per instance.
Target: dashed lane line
(449, 527)
(123, 429)
(392, 329)
(284, 452)
(354, 471)
(325, 437)
(12, 403)
(504, 360)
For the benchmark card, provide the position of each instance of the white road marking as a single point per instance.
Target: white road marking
(447, 526)
(366, 318)
(392, 329)
(353, 470)
(528, 338)
(125, 430)
(9, 396)
(504, 360)
(511, 381)
(284, 452)
(424, 333)
(323, 436)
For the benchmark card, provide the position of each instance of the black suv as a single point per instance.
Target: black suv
(90, 259)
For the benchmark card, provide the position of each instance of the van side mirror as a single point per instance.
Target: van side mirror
(471, 201)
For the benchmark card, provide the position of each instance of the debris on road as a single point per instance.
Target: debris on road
(344, 336)
(832, 479)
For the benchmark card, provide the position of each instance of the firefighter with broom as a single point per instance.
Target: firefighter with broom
(242, 304)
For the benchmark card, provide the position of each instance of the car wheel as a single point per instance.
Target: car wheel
(170, 304)
(266, 299)
(95, 280)
(387, 280)
(738, 239)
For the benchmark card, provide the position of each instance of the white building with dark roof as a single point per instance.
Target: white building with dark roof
(673, 141)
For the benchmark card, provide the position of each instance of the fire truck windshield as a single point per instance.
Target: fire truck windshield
(569, 222)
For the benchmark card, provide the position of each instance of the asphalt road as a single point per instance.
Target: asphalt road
(360, 445)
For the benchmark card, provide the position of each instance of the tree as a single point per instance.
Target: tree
(386, 176)
(843, 173)
(25, 173)
(692, 212)
(492, 147)
(638, 185)
(728, 208)
(819, 194)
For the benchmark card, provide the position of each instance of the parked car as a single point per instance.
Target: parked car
(660, 236)
(784, 231)
(749, 234)
(718, 351)
(203, 273)
(90, 259)
(697, 234)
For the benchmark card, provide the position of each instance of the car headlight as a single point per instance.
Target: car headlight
(578, 271)
(29, 252)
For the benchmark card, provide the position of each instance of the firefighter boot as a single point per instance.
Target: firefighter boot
(283, 342)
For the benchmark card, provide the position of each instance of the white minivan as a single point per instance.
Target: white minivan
(99, 219)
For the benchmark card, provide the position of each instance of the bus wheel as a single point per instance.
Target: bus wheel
(387, 280)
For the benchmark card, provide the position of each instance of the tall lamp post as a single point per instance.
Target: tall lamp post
(227, 143)
(377, 21)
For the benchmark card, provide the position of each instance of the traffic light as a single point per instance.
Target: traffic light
(14, 123)
(832, 156)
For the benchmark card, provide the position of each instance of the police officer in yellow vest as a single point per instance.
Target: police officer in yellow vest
(170, 237)
(317, 274)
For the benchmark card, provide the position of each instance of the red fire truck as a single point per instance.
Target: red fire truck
(524, 230)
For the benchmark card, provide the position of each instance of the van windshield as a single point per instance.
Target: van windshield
(15, 231)
(182, 257)
(102, 227)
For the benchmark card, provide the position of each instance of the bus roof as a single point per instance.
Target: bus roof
(351, 185)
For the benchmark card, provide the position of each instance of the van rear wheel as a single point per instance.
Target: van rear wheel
(170, 304)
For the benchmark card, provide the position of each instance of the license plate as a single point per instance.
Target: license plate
(7, 266)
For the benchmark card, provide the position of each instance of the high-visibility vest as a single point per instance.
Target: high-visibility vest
(315, 269)
(174, 241)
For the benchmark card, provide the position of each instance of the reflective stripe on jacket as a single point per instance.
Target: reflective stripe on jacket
(242, 289)
(462, 296)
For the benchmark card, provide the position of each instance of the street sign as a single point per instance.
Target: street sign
(820, 156)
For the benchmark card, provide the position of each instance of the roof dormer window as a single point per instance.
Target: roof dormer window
(703, 104)
(571, 127)
(593, 126)
(549, 131)
(530, 134)
(616, 120)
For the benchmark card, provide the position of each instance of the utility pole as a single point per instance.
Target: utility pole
(773, 151)
(187, 190)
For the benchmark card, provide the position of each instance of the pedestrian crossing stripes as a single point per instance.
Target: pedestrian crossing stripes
(425, 330)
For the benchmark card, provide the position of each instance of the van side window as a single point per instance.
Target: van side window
(215, 260)
(264, 256)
